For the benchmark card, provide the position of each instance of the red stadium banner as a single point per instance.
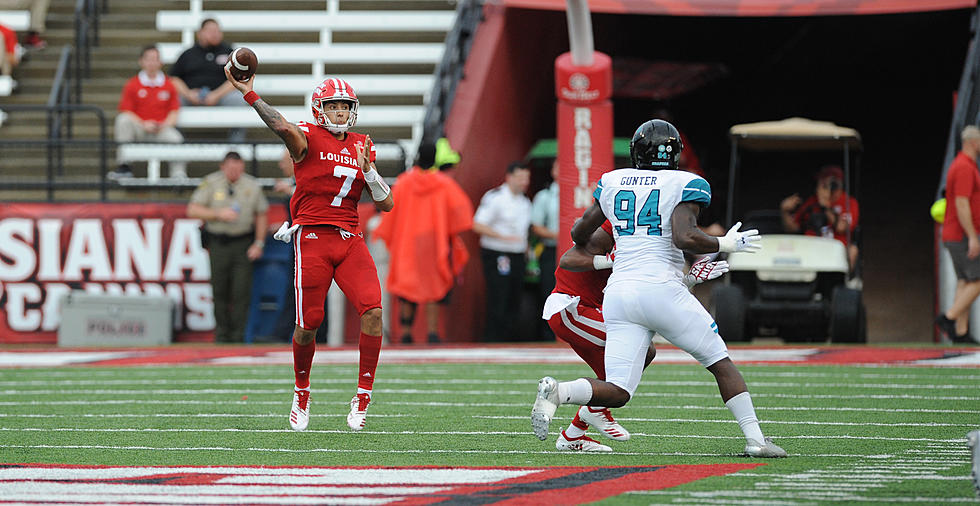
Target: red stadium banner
(47, 250)
(585, 131)
(754, 8)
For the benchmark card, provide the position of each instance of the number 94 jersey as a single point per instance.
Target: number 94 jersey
(639, 204)
(328, 180)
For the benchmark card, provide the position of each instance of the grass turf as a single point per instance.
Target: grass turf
(854, 434)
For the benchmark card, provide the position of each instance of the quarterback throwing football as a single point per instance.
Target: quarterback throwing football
(333, 166)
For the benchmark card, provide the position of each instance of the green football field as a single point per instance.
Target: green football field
(854, 434)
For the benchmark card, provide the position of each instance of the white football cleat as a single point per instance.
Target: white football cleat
(603, 422)
(299, 416)
(358, 411)
(580, 444)
(973, 441)
(765, 449)
(544, 406)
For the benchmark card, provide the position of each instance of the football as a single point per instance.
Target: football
(242, 64)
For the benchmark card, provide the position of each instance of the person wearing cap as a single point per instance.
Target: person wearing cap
(960, 231)
(829, 212)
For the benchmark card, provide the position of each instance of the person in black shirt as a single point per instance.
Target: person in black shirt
(199, 74)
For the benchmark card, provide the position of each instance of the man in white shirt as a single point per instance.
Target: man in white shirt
(503, 220)
(544, 224)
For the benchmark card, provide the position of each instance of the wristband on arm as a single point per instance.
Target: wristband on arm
(600, 262)
(251, 97)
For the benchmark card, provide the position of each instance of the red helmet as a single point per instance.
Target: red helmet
(331, 89)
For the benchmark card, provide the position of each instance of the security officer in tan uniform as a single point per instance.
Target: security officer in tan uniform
(233, 207)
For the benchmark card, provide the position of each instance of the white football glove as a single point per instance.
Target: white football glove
(705, 270)
(748, 241)
(285, 232)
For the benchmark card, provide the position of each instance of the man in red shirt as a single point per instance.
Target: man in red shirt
(332, 167)
(574, 313)
(960, 235)
(148, 109)
(829, 212)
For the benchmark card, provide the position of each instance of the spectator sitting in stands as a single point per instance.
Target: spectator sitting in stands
(148, 109)
(827, 213)
(39, 16)
(199, 74)
(10, 51)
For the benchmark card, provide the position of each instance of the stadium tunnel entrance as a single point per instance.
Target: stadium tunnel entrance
(892, 77)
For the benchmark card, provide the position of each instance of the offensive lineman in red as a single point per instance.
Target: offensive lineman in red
(574, 313)
(332, 167)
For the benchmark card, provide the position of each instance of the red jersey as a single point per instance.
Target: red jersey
(587, 284)
(328, 180)
(962, 180)
(150, 99)
(840, 207)
(9, 39)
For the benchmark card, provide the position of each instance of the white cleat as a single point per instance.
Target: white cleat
(358, 411)
(603, 422)
(765, 449)
(299, 416)
(973, 441)
(544, 406)
(580, 444)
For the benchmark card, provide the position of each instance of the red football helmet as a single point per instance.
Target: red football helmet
(331, 89)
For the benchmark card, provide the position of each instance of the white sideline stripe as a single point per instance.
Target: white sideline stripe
(523, 393)
(180, 415)
(438, 368)
(222, 488)
(222, 499)
(586, 455)
(337, 475)
(480, 405)
(460, 381)
(458, 433)
(767, 422)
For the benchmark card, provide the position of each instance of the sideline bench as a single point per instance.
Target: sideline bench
(246, 117)
(320, 54)
(322, 21)
(364, 85)
(17, 21)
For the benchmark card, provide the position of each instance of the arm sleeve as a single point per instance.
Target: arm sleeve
(697, 190)
(263, 203)
(484, 213)
(126, 102)
(179, 68)
(959, 184)
(202, 194)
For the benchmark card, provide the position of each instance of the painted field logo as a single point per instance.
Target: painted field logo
(30, 483)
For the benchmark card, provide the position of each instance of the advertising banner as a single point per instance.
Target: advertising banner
(47, 250)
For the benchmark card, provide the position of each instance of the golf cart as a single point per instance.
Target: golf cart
(795, 287)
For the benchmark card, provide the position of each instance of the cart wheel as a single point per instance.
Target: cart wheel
(847, 317)
(729, 311)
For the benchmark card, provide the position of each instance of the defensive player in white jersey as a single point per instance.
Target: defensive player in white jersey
(654, 209)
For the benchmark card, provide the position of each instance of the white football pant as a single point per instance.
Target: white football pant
(634, 310)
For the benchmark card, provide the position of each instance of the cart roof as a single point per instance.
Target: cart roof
(794, 134)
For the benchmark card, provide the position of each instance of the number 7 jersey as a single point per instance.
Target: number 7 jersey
(329, 182)
(639, 204)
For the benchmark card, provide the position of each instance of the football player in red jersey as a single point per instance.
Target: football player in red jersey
(574, 313)
(333, 166)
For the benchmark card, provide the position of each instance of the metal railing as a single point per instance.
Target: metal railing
(87, 14)
(469, 14)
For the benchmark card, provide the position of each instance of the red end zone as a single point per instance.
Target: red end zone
(375, 485)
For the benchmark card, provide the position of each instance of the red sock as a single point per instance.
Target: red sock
(302, 362)
(579, 423)
(370, 348)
